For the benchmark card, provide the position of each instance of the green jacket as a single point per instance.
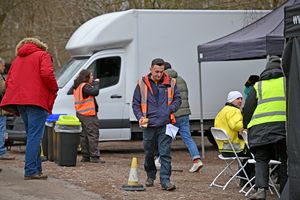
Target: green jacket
(184, 93)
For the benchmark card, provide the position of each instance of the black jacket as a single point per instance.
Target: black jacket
(89, 90)
(266, 133)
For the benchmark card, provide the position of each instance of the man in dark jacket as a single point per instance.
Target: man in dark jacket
(153, 112)
(265, 117)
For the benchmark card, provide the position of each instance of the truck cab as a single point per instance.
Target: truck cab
(113, 111)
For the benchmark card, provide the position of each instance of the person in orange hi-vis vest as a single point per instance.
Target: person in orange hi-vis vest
(155, 100)
(85, 90)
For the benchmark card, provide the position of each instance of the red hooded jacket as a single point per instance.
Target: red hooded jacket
(30, 80)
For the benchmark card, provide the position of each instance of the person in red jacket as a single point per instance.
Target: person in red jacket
(31, 89)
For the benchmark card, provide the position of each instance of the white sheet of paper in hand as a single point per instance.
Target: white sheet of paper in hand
(171, 130)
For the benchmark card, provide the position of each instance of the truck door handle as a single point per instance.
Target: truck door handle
(115, 96)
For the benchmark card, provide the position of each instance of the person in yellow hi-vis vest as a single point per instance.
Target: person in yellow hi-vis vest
(265, 117)
(155, 100)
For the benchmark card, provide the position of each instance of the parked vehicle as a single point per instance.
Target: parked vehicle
(15, 130)
(118, 48)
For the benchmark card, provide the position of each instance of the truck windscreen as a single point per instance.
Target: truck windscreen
(69, 70)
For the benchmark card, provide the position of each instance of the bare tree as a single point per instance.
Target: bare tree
(54, 21)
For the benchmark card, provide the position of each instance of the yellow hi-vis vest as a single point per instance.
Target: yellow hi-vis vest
(271, 104)
(83, 106)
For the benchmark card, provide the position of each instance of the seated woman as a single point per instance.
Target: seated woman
(230, 119)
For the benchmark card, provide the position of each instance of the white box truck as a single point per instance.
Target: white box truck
(119, 47)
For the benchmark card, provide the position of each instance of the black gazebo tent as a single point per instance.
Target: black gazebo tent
(291, 67)
(258, 40)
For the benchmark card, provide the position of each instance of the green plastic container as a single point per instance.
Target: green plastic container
(67, 128)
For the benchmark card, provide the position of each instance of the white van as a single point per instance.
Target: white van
(119, 47)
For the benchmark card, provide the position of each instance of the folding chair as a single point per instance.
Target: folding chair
(221, 135)
(273, 164)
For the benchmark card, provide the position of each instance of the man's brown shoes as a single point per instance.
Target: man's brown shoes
(36, 177)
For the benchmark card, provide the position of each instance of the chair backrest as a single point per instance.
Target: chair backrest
(245, 138)
(219, 134)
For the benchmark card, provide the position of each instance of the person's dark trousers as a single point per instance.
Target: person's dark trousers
(34, 120)
(89, 136)
(263, 155)
(281, 151)
(156, 139)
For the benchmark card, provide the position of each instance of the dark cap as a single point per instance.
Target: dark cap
(251, 80)
(157, 61)
(273, 62)
(167, 65)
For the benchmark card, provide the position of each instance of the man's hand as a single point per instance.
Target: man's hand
(241, 131)
(143, 122)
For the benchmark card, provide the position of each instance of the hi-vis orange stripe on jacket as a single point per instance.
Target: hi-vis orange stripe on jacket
(144, 95)
(83, 106)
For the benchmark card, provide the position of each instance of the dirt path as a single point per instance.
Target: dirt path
(12, 186)
(107, 179)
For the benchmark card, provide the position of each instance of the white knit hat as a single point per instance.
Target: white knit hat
(233, 95)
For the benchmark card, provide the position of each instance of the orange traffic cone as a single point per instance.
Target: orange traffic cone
(133, 181)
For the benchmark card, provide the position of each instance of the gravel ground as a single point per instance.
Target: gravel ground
(107, 179)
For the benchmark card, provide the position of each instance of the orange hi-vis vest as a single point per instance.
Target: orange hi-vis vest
(144, 95)
(83, 106)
